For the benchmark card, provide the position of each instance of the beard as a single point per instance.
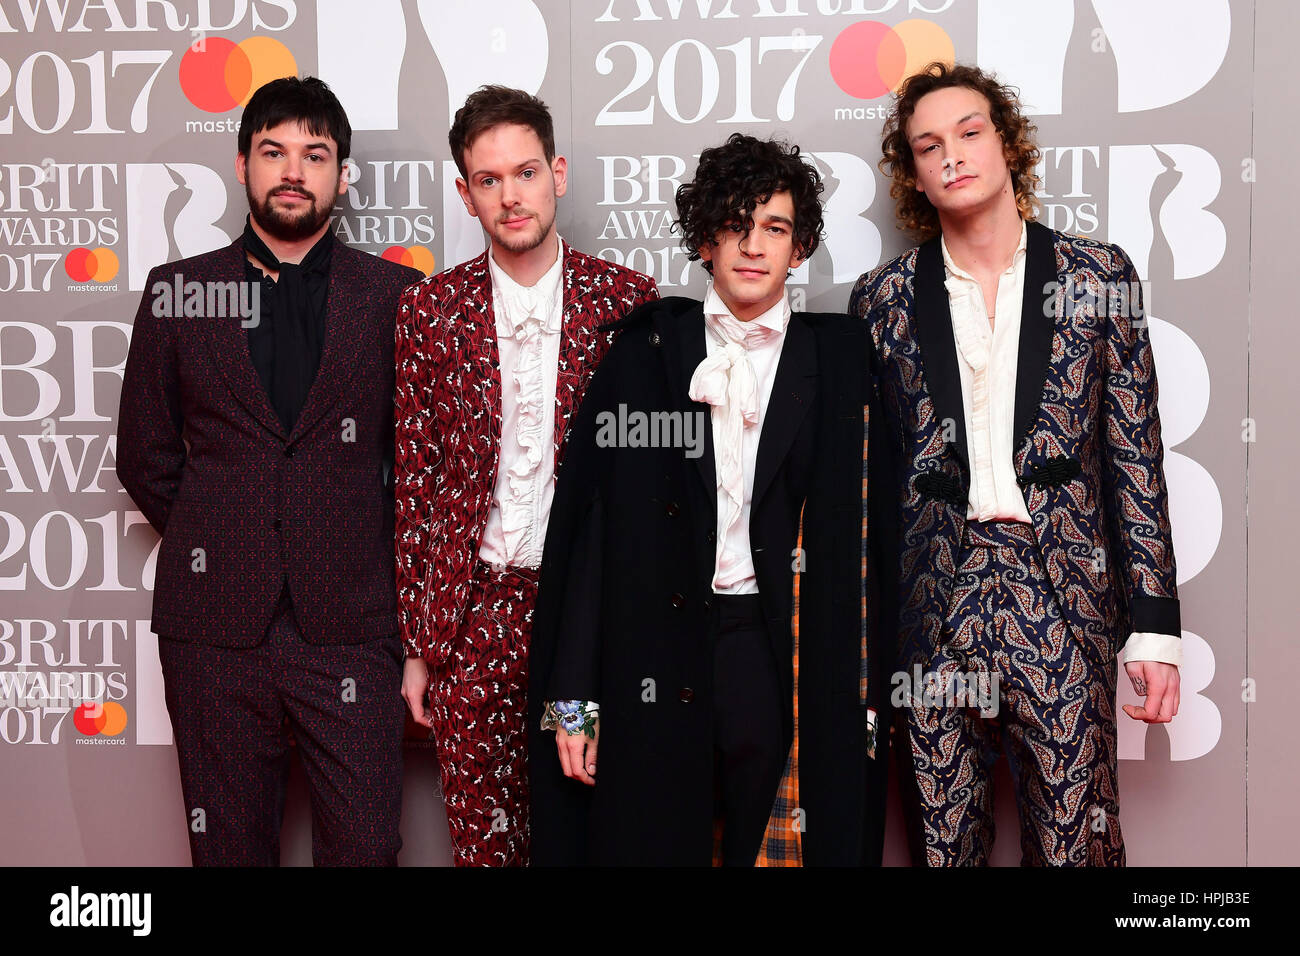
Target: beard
(516, 243)
(285, 226)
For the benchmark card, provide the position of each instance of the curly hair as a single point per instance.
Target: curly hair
(915, 213)
(730, 182)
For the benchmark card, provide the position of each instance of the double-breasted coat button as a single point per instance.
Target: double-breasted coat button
(288, 453)
(686, 695)
(678, 599)
(276, 524)
(654, 339)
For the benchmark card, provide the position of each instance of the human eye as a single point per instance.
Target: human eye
(528, 174)
(486, 181)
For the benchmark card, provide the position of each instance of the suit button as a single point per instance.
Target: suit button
(672, 509)
(686, 695)
(678, 599)
(276, 524)
(288, 453)
(654, 339)
(713, 536)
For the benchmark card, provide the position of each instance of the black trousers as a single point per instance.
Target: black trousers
(228, 709)
(749, 749)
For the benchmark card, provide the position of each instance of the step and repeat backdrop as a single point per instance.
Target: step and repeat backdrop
(118, 129)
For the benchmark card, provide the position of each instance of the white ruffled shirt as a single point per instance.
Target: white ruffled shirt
(529, 320)
(987, 359)
(736, 380)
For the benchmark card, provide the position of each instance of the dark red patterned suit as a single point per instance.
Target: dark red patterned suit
(471, 623)
(247, 509)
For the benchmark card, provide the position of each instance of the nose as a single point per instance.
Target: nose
(293, 169)
(749, 246)
(509, 192)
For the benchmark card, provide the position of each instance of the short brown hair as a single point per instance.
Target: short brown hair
(913, 209)
(492, 105)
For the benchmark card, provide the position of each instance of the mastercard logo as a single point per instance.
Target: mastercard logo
(219, 75)
(870, 59)
(91, 265)
(416, 256)
(108, 719)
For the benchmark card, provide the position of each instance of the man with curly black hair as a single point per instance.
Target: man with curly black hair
(707, 617)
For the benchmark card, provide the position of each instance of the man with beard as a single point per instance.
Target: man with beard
(255, 435)
(493, 358)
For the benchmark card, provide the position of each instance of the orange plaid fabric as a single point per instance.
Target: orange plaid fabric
(783, 843)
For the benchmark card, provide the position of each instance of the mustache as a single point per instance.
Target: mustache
(516, 214)
(292, 189)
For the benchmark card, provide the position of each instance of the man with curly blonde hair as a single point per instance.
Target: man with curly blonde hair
(1015, 371)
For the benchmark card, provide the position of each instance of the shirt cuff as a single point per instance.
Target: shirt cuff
(1146, 646)
(573, 716)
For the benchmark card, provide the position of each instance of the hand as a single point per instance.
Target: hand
(415, 688)
(578, 753)
(1158, 683)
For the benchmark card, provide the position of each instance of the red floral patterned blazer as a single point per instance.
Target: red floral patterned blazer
(448, 422)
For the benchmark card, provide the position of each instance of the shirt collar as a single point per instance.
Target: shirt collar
(518, 299)
(1016, 256)
(776, 318)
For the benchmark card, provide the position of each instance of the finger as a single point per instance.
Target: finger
(576, 761)
(1140, 713)
(563, 751)
(591, 758)
(573, 756)
(1167, 705)
(1137, 677)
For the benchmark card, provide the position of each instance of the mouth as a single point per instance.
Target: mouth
(960, 180)
(516, 222)
(290, 194)
(750, 273)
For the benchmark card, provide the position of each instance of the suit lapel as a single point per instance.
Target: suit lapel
(933, 327)
(792, 393)
(477, 331)
(1036, 329)
(577, 334)
(682, 338)
(346, 318)
(228, 343)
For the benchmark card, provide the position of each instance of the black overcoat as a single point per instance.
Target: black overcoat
(623, 612)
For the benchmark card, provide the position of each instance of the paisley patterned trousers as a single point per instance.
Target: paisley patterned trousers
(477, 697)
(1009, 675)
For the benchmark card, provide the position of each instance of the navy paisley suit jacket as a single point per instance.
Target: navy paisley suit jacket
(1087, 439)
